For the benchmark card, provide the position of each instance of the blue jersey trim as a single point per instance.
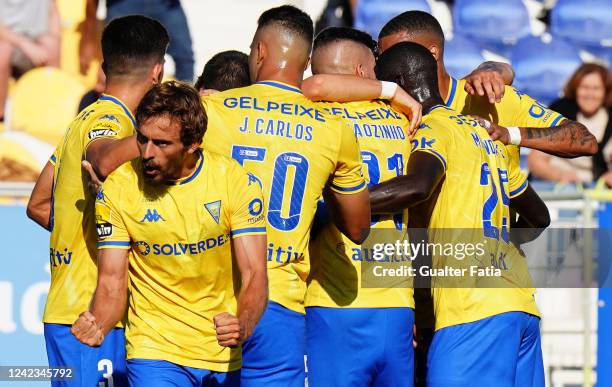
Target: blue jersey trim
(53, 159)
(350, 189)
(248, 229)
(519, 189)
(193, 175)
(114, 100)
(280, 86)
(554, 123)
(451, 96)
(114, 243)
(431, 109)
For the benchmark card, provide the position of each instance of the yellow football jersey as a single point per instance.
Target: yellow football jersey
(293, 148)
(72, 252)
(180, 273)
(479, 171)
(336, 275)
(514, 109)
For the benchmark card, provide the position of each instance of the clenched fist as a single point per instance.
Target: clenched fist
(87, 330)
(229, 331)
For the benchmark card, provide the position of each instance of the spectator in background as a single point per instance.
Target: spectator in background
(29, 37)
(588, 100)
(225, 70)
(168, 12)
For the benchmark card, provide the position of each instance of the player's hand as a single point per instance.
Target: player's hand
(229, 330)
(414, 342)
(205, 92)
(403, 102)
(87, 330)
(94, 183)
(496, 132)
(485, 82)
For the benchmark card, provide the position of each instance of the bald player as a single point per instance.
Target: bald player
(538, 127)
(371, 327)
(296, 151)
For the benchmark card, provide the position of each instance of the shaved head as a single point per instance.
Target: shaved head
(281, 44)
(340, 50)
(413, 26)
(344, 57)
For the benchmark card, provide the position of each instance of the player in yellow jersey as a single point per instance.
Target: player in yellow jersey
(133, 49)
(458, 185)
(192, 224)
(342, 314)
(296, 151)
(562, 137)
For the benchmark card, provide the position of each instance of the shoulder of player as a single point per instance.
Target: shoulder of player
(219, 163)
(123, 177)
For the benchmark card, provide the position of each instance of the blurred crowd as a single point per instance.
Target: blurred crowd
(50, 64)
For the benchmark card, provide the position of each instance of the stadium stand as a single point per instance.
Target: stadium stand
(588, 23)
(495, 24)
(461, 56)
(44, 101)
(371, 15)
(543, 65)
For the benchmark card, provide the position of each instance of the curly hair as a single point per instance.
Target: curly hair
(180, 102)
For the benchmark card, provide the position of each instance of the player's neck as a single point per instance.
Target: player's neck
(286, 75)
(189, 165)
(128, 93)
(444, 80)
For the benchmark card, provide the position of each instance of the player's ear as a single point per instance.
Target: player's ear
(435, 51)
(193, 147)
(359, 71)
(157, 72)
(262, 52)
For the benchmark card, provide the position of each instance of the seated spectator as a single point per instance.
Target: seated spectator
(588, 100)
(226, 70)
(29, 37)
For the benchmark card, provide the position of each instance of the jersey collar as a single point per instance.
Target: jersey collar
(431, 109)
(280, 85)
(194, 174)
(451, 92)
(116, 101)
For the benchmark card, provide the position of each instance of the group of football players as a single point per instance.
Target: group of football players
(220, 236)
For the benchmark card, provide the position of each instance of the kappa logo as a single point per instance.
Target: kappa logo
(214, 209)
(152, 216)
(109, 117)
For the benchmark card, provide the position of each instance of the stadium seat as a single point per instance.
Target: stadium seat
(44, 101)
(587, 23)
(543, 65)
(72, 15)
(372, 15)
(461, 56)
(494, 24)
(22, 156)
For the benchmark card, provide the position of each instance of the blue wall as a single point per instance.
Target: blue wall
(24, 283)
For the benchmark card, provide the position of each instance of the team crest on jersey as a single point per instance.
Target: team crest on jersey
(214, 209)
